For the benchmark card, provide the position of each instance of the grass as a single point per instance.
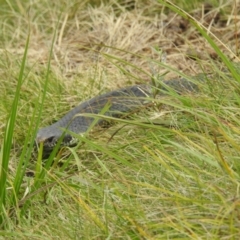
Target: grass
(169, 172)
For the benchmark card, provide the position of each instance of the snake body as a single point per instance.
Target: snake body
(117, 102)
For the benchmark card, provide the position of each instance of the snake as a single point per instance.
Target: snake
(116, 103)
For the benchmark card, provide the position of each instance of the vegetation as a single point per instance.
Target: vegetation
(170, 171)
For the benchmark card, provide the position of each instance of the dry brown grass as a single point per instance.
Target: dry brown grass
(83, 38)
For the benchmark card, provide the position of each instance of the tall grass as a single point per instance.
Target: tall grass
(7, 145)
(168, 172)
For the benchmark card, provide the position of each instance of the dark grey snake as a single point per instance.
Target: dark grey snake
(119, 101)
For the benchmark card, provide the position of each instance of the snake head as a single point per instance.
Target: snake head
(50, 137)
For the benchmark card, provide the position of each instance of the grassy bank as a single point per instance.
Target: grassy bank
(170, 171)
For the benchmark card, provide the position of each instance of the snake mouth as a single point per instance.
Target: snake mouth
(50, 143)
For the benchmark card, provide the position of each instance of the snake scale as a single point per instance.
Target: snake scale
(119, 101)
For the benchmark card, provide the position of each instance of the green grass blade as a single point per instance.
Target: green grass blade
(8, 136)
